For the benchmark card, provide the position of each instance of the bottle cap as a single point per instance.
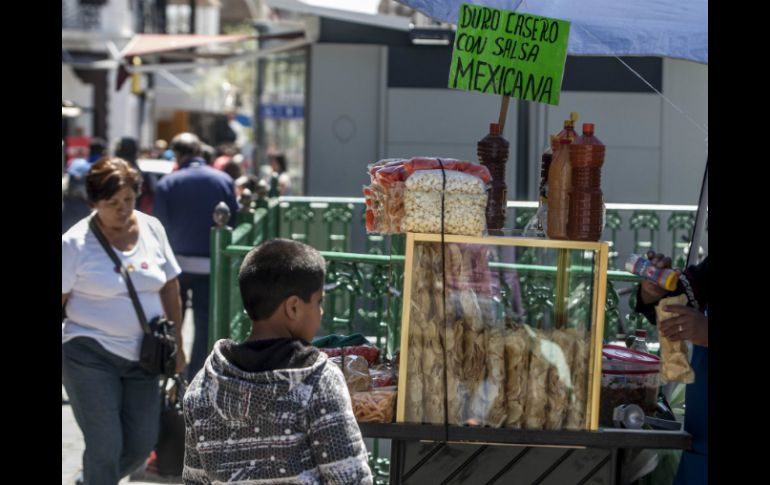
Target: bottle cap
(588, 128)
(494, 128)
(641, 333)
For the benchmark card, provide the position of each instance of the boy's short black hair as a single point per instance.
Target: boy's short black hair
(276, 270)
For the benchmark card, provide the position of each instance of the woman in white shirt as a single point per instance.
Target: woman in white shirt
(115, 402)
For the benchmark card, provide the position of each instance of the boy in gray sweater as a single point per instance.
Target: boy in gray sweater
(273, 409)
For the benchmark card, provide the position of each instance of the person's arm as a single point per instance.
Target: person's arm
(172, 307)
(688, 324)
(193, 472)
(68, 271)
(335, 439)
(649, 292)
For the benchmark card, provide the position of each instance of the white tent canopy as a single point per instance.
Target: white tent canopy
(664, 28)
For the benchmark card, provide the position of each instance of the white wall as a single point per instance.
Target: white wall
(446, 122)
(117, 18)
(654, 153)
(629, 125)
(345, 112)
(123, 111)
(74, 90)
(207, 20)
(651, 148)
(684, 148)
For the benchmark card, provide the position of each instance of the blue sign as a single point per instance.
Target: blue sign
(281, 111)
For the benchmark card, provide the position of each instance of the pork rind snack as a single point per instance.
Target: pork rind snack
(456, 182)
(465, 201)
(375, 406)
(517, 349)
(498, 372)
(675, 366)
(463, 214)
(425, 365)
(356, 372)
(576, 412)
(385, 196)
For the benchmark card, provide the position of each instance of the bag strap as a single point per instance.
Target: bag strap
(118, 264)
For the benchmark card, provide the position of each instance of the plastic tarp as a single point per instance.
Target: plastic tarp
(665, 28)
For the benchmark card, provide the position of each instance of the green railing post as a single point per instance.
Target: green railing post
(221, 237)
(274, 219)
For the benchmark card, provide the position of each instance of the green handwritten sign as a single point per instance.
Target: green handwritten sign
(509, 53)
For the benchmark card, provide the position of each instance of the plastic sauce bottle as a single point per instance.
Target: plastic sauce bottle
(545, 164)
(492, 151)
(559, 186)
(641, 266)
(586, 205)
(569, 132)
(640, 341)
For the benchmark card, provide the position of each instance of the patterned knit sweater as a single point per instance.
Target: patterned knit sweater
(285, 426)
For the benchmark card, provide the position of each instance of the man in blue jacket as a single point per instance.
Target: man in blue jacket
(184, 203)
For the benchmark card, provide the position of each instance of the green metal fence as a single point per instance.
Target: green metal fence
(363, 290)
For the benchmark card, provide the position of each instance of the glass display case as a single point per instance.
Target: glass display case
(503, 332)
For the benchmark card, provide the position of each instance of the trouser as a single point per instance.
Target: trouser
(199, 284)
(116, 405)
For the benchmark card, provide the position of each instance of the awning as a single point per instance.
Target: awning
(169, 45)
(143, 44)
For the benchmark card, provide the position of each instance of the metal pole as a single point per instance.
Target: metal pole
(700, 219)
(522, 151)
(258, 124)
(192, 16)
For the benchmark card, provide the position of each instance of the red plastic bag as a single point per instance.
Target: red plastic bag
(429, 163)
(389, 174)
(369, 352)
(383, 376)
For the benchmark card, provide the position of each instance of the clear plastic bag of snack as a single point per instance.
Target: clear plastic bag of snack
(367, 351)
(456, 182)
(463, 213)
(675, 363)
(380, 164)
(356, 372)
(429, 163)
(383, 375)
(393, 207)
(390, 173)
(375, 406)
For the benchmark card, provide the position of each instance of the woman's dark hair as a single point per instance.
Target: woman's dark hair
(127, 149)
(276, 270)
(97, 147)
(108, 175)
(233, 169)
(280, 159)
